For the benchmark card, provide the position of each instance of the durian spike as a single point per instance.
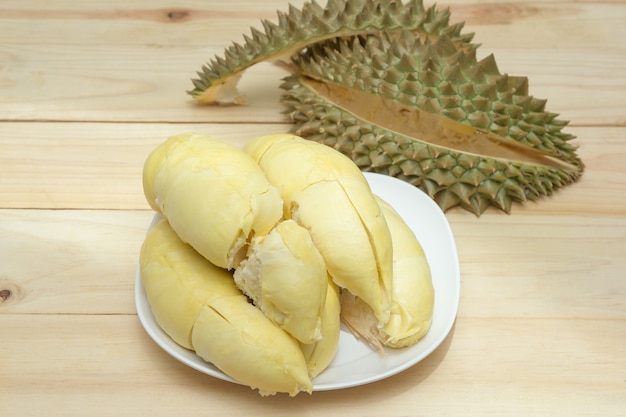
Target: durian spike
(300, 28)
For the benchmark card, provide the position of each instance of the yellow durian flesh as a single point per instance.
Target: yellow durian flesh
(178, 281)
(285, 276)
(413, 293)
(324, 209)
(319, 355)
(242, 342)
(325, 192)
(213, 194)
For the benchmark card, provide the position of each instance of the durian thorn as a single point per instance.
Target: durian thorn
(431, 128)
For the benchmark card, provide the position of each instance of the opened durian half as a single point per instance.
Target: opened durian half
(432, 114)
(299, 28)
(399, 90)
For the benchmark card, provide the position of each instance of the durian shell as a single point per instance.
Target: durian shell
(433, 77)
(412, 55)
(301, 27)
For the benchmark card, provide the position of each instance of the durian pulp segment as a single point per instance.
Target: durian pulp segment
(429, 127)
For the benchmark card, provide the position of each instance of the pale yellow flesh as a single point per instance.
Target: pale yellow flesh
(238, 339)
(178, 281)
(199, 306)
(285, 275)
(413, 293)
(325, 192)
(213, 194)
(319, 355)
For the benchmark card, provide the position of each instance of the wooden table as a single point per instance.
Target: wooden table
(87, 89)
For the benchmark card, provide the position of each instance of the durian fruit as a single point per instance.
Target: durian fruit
(178, 282)
(285, 276)
(198, 305)
(325, 192)
(454, 126)
(318, 355)
(214, 195)
(432, 114)
(413, 295)
(299, 28)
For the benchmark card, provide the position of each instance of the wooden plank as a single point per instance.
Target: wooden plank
(161, 24)
(84, 262)
(87, 89)
(87, 83)
(62, 365)
(541, 266)
(53, 165)
(77, 61)
(70, 261)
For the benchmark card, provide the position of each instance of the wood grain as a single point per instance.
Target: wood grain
(133, 62)
(485, 367)
(512, 266)
(98, 165)
(87, 89)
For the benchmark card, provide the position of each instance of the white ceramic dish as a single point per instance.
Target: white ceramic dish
(355, 363)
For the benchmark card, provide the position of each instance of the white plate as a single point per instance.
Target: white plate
(355, 363)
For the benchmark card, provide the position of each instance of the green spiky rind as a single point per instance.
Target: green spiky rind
(299, 28)
(437, 76)
(451, 178)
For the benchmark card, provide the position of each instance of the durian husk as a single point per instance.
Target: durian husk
(299, 28)
(413, 62)
(431, 114)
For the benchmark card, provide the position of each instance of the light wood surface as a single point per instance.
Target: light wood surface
(88, 88)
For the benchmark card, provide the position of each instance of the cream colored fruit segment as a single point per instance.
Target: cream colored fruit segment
(320, 354)
(178, 282)
(199, 306)
(285, 276)
(213, 194)
(325, 210)
(326, 192)
(412, 294)
(237, 338)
